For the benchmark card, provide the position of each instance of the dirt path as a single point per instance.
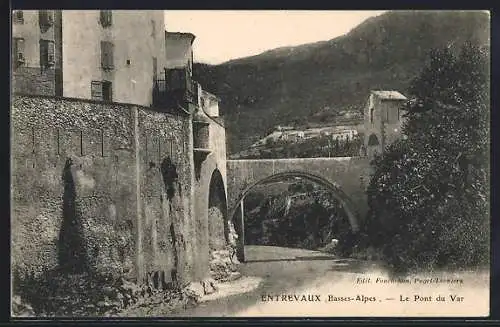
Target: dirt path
(291, 282)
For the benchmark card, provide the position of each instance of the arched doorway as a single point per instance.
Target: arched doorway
(237, 213)
(217, 213)
(373, 146)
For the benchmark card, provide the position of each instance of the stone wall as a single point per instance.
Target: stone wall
(33, 80)
(101, 187)
(214, 162)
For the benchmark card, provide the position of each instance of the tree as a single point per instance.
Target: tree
(429, 194)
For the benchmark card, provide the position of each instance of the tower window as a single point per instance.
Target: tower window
(371, 115)
(18, 17)
(47, 53)
(106, 18)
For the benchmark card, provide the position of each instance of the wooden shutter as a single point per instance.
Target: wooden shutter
(155, 68)
(107, 91)
(51, 59)
(18, 17)
(106, 55)
(50, 17)
(45, 18)
(43, 53)
(18, 49)
(96, 90)
(106, 18)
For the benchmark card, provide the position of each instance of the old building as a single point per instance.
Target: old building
(383, 120)
(179, 50)
(37, 52)
(101, 62)
(145, 164)
(88, 54)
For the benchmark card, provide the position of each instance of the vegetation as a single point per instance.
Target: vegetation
(308, 82)
(429, 196)
(317, 147)
(303, 216)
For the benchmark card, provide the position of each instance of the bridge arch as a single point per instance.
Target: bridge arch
(337, 192)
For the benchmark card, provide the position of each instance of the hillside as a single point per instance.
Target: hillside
(311, 82)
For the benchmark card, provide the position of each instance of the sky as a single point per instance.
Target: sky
(222, 35)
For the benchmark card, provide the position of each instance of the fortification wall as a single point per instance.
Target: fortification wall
(101, 187)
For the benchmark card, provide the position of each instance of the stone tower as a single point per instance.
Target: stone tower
(383, 120)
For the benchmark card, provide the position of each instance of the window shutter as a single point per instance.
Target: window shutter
(18, 16)
(46, 18)
(103, 54)
(42, 17)
(107, 91)
(155, 68)
(43, 53)
(50, 17)
(106, 55)
(19, 49)
(51, 59)
(110, 55)
(96, 90)
(106, 18)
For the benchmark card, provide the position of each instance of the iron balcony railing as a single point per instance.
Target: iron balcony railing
(177, 87)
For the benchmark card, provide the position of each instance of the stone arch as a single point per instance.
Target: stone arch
(217, 212)
(373, 140)
(344, 200)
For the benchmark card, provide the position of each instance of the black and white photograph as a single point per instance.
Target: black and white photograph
(172, 164)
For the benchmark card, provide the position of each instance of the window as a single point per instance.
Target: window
(18, 52)
(107, 91)
(18, 17)
(106, 18)
(153, 28)
(106, 55)
(155, 68)
(96, 90)
(45, 19)
(47, 53)
(101, 90)
(371, 115)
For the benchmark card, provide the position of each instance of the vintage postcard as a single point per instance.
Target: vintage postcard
(250, 163)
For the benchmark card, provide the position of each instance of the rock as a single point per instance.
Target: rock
(194, 290)
(233, 276)
(208, 286)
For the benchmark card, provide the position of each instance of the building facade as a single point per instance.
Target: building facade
(87, 54)
(99, 60)
(37, 52)
(383, 120)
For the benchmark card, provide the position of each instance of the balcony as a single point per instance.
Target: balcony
(175, 88)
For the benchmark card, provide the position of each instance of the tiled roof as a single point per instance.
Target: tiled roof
(389, 95)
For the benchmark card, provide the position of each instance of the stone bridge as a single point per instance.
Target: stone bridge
(346, 177)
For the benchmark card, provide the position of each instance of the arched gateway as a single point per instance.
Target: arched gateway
(346, 177)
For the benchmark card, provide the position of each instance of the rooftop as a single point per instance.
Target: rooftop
(389, 95)
(179, 35)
